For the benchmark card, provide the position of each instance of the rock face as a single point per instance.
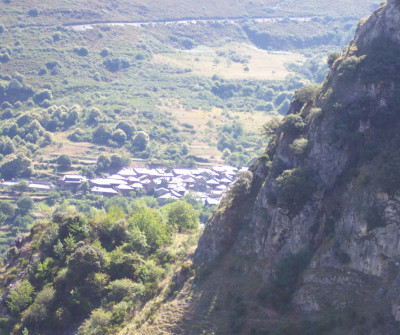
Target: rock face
(350, 223)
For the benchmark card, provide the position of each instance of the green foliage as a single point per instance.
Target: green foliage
(151, 223)
(41, 96)
(240, 189)
(295, 187)
(349, 67)
(21, 186)
(300, 147)
(74, 225)
(124, 289)
(271, 126)
(140, 141)
(85, 260)
(25, 205)
(15, 166)
(182, 215)
(306, 94)
(332, 57)
(116, 64)
(64, 162)
(82, 51)
(34, 12)
(20, 297)
(293, 125)
(124, 265)
(98, 323)
(41, 309)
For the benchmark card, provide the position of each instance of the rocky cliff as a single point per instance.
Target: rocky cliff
(325, 194)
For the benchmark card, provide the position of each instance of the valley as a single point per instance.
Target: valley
(117, 101)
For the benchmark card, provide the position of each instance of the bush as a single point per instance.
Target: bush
(182, 215)
(4, 57)
(20, 297)
(64, 162)
(41, 96)
(349, 67)
(140, 141)
(121, 288)
(25, 205)
(240, 189)
(1, 29)
(332, 58)
(306, 93)
(299, 147)
(271, 127)
(82, 51)
(33, 12)
(85, 260)
(115, 64)
(295, 187)
(105, 52)
(293, 125)
(42, 306)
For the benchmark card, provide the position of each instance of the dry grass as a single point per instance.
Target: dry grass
(204, 61)
(206, 125)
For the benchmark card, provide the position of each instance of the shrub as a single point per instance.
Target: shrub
(119, 137)
(299, 147)
(82, 51)
(101, 135)
(140, 141)
(188, 43)
(85, 260)
(293, 125)
(306, 93)
(295, 187)
(1, 28)
(182, 215)
(332, 58)
(20, 297)
(271, 126)
(121, 288)
(41, 308)
(4, 57)
(98, 323)
(105, 52)
(150, 222)
(33, 12)
(349, 67)
(25, 205)
(240, 189)
(64, 162)
(115, 64)
(56, 37)
(41, 96)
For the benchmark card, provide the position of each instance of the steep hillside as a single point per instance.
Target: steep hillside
(308, 241)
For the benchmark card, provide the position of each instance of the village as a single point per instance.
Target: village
(207, 184)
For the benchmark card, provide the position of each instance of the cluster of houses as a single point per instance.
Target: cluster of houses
(209, 184)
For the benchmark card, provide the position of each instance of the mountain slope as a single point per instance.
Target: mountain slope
(308, 242)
